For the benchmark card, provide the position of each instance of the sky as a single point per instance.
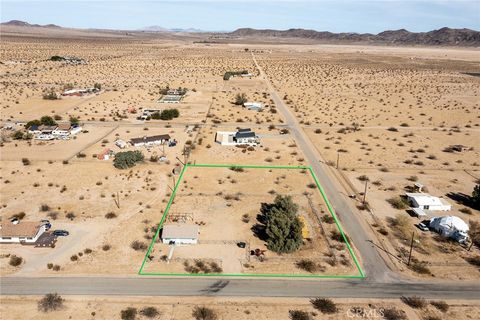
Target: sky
(210, 15)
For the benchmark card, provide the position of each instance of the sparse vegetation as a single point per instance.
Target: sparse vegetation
(50, 302)
(326, 306)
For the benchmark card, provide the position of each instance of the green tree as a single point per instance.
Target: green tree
(476, 196)
(283, 227)
(125, 160)
(33, 123)
(18, 135)
(240, 99)
(74, 121)
(47, 120)
(97, 86)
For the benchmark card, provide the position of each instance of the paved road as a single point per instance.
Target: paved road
(373, 263)
(142, 286)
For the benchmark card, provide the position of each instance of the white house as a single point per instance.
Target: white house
(257, 106)
(180, 234)
(451, 227)
(16, 231)
(241, 137)
(120, 143)
(425, 201)
(150, 141)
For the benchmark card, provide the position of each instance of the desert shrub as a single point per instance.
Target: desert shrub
(44, 207)
(70, 215)
(324, 305)
(74, 257)
(398, 203)
(475, 198)
(53, 215)
(414, 302)
(128, 314)
(15, 261)
(88, 251)
(50, 95)
(307, 265)
(110, 215)
(106, 247)
(237, 169)
(475, 261)
(25, 161)
(401, 224)
(311, 185)
(56, 267)
(465, 210)
(393, 129)
(394, 314)
(363, 178)
(204, 313)
(138, 245)
(440, 305)
(240, 99)
(149, 312)
(327, 219)
(50, 302)
(18, 216)
(127, 159)
(299, 315)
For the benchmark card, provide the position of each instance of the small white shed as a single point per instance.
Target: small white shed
(180, 234)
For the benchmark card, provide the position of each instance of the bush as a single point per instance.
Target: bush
(25, 161)
(110, 215)
(106, 247)
(204, 313)
(138, 245)
(326, 306)
(394, 314)
(307, 265)
(50, 302)
(440, 305)
(127, 159)
(299, 315)
(15, 261)
(327, 219)
(48, 121)
(128, 314)
(240, 99)
(149, 312)
(167, 114)
(414, 302)
(398, 203)
(50, 96)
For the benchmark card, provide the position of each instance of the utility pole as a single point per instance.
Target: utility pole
(338, 158)
(365, 191)
(117, 200)
(411, 248)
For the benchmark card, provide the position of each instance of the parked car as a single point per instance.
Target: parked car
(422, 226)
(61, 233)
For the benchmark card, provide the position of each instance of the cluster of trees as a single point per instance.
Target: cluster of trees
(127, 159)
(45, 120)
(51, 95)
(167, 114)
(240, 99)
(230, 74)
(283, 228)
(181, 91)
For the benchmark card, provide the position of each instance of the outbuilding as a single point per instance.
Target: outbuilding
(425, 201)
(450, 227)
(257, 106)
(180, 233)
(150, 141)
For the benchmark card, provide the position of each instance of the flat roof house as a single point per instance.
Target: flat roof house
(150, 141)
(16, 231)
(180, 234)
(425, 201)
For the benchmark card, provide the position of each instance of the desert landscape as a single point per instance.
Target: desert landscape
(291, 159)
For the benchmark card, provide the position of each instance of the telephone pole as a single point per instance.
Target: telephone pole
(365, 191)
(338, 158)
(411, 248)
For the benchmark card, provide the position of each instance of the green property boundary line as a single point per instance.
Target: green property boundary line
(329, 206)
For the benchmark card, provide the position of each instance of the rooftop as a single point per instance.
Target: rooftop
(180, 231)
(21, 229)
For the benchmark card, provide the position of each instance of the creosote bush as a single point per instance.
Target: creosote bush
(324, 305)
(50, 302)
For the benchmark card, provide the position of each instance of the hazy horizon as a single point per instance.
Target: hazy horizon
(334, 16)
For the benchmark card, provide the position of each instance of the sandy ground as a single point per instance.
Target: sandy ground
(423, 92)
(79, 307)
(219, 211)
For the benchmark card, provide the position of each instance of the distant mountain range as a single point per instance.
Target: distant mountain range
(440, 37)
(443, 36)
(19, 23)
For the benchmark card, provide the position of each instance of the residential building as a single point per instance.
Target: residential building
(241, 137)
(16, 231)
(425, 201)
(450, 227)
(257, 106)
(180, 234)
(150, 141)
